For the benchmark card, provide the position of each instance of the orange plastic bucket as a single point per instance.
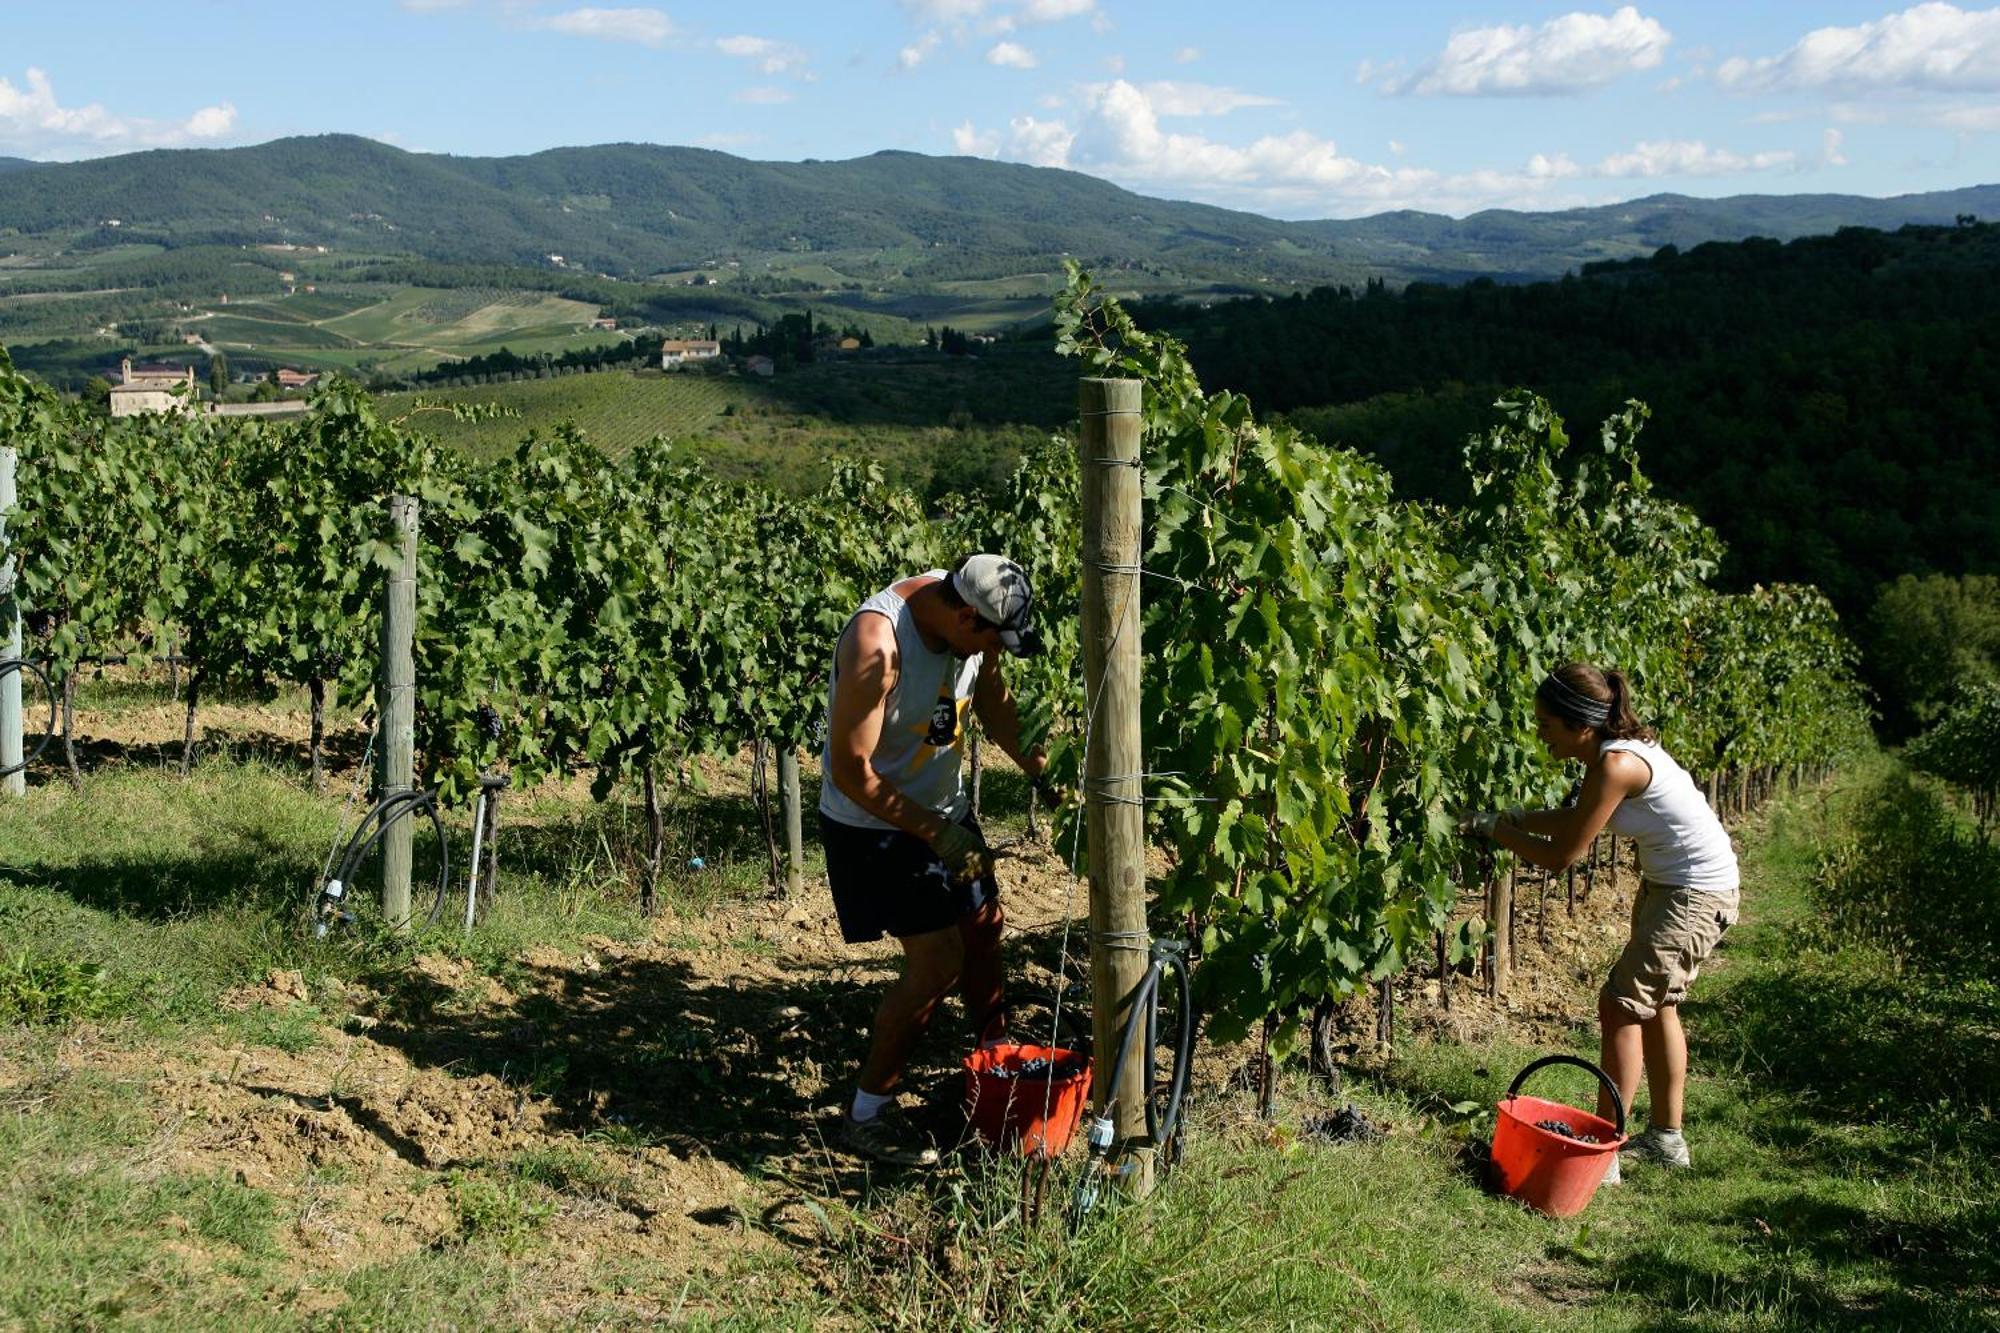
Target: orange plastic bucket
(1550, 1172)
(1040, 1115)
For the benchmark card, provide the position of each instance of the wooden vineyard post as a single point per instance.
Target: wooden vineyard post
(1542, 908)
(1385, 1015)
(11, 733)
(1500, 913)
(795, 852)
(1108, 454)
(1444, 973)
(396, 744)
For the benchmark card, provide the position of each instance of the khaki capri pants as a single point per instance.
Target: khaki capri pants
(1673, 932)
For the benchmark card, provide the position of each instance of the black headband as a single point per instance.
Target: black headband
(1578, 708)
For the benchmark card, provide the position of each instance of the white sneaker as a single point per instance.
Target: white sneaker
(1665, 1146)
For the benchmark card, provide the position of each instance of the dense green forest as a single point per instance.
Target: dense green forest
(1829, 405)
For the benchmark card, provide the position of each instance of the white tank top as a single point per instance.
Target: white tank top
(923, 721)
(1681, 842)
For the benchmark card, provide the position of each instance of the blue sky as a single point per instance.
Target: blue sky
(1297, 110)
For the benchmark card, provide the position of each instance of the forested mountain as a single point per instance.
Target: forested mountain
(632, 209)
(13, 164)
(1831, 406)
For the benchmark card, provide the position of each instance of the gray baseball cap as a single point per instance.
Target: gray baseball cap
(997, 589)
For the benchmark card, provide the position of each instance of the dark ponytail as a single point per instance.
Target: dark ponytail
(1624, 724)
(1586, 696)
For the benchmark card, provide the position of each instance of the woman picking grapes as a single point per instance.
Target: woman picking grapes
(1687, 897)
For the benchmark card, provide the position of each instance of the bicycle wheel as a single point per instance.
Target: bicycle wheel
(360, 866)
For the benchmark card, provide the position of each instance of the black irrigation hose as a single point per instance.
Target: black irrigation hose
(28, 757)
(1162, 1121)
(368, 833)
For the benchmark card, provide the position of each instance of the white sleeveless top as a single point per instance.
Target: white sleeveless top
(1681, 842)
(923, 723)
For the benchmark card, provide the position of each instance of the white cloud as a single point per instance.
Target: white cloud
(431, 6)
(763, 95)
(771, 57)
(211, 122)
(1187, 55)
(1689, 157)
(1011, 55)
(1054, 11)
(944, 11)
(648, 27)
(34, 122)
(918, 51)
(1976, 118)
(1117, 133)
(969, 142)
(1832, 148)
(1396, 147)
(1927, 48)
(1201, 99)
(1568, 54)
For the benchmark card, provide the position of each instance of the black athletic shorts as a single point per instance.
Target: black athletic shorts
(888, 882)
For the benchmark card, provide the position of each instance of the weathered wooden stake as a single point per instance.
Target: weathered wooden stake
(1542, 909)
(1500, 913)
(1108, 454)
(11, 730)
(795, 846)
(1444, 973)
(395, 746)
(656, 842)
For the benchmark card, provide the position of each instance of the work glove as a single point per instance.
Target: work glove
(1478, 822)
(964, 852)
(1046, 792)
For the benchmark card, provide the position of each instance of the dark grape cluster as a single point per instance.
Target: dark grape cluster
(489, 722)
(1261, 962)
(1558, 1127)
(1040, 1067)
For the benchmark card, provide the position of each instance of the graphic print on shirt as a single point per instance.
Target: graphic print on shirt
(946, 722)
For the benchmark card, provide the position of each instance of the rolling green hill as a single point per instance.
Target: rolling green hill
(892, 217)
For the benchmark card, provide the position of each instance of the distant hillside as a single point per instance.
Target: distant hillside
(1506, 244)
(14, 163)
(889, 218)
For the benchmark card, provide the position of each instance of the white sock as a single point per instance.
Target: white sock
(868, 1105)
(1665, 1135)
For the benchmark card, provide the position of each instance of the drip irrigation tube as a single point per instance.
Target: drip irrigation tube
(30, 756)
(362, 843)
(1163, 1102)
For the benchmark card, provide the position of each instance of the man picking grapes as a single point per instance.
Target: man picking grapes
(904, 855)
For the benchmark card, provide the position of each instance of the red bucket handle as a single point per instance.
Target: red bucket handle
(1603, 1080)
